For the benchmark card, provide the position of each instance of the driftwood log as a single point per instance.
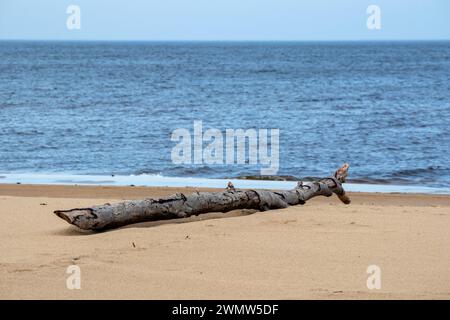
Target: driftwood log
(111, 216)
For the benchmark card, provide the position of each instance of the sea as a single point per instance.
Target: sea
(105, 112)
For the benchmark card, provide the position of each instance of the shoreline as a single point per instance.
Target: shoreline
(140, 192)
(150, 180)
(320, 250)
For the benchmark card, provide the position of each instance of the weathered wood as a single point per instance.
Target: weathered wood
(110, 216)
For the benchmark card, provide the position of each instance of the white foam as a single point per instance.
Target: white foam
(161, 181)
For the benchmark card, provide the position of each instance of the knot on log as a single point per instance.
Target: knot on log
(324, 189)
(181, 214)
(339, 190)
(270, 200)
(230, 187)
(300, 196)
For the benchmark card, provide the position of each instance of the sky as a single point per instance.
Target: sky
(225, 20)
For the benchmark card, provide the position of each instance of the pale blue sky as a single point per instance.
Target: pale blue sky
(225, 19)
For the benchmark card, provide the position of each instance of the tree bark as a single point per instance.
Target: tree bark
(111, 216)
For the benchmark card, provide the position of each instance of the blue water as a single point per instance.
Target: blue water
(109, 108)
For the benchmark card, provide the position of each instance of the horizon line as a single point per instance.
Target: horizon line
(227, 40)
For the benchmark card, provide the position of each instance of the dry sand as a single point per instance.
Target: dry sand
(317, 251)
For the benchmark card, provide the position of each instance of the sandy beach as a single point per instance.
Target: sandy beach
(320, 250)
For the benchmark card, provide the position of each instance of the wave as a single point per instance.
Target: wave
(417, 176)
(325, 99)
(430, 176)
(146, 172)
(270, 71)
(267, 178)
(162, 181)
(417, 172)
